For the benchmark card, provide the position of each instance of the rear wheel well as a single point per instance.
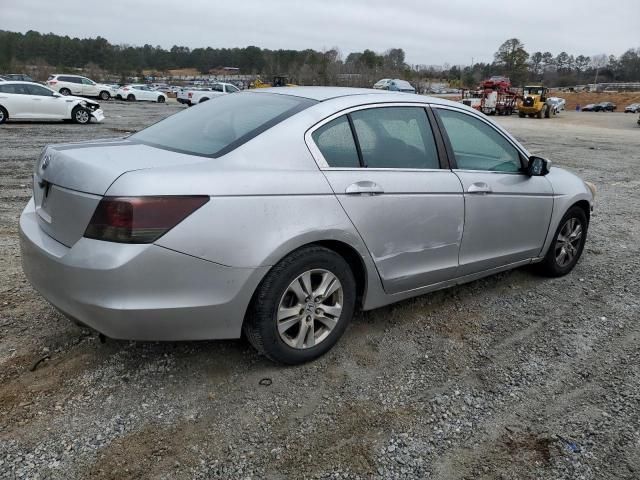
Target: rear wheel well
(355, 262)
(347, 252)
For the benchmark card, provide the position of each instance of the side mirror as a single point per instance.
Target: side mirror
(538, 166)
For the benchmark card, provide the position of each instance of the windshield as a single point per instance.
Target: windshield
(533, 90)
(220, 125)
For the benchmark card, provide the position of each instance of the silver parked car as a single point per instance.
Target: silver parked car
(281, 211)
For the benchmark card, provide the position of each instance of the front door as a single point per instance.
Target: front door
(45, 104)
(384, 168)
(507, 212)
(89, 89)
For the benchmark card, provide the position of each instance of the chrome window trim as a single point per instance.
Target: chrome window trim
(519, 148)
(322, 162)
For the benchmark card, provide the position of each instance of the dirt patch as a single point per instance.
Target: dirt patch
(621, 99)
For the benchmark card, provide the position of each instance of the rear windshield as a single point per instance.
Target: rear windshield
(222, 124)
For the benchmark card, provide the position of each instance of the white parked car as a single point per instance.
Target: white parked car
(77, 85)
(141, 92)
(32, 101)
(557, 103)
(198, 96)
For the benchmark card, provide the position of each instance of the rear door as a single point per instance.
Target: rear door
(72, 83)
(507, 213)
(15, 97)
(388, 174)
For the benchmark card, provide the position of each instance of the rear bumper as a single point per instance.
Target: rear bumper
(136, 292)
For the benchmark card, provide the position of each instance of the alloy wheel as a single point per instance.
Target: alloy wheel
(568, 242)
(82, 116)
(310, 309)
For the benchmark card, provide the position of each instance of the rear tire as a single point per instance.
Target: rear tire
(289, 319)
(81, 115)
(131, 98)
(104, 95)
(567, 246)
(4, 115)
(65, 91)
(203, 100)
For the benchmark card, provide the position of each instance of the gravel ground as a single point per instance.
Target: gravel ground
(511, 377)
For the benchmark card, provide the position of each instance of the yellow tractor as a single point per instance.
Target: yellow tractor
(534, 102)
(278, 81)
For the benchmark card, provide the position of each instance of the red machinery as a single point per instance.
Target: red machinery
(493, 97)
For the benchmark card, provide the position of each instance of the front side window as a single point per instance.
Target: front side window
(478, 146)
(231, 89)
(395, 137)
(335, 142)
(221, 125)
(38, 90)
(217, 88)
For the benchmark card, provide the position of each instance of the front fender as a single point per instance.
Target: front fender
(568, 189)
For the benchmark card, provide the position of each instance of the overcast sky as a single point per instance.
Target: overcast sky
(430, 32)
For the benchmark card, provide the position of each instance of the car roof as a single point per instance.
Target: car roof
(23, 82)
(322, 94)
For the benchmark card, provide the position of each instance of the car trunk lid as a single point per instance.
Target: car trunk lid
(69, 180)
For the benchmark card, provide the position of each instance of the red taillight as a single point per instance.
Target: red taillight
(190, 94)
(140, 219)
(125, 88)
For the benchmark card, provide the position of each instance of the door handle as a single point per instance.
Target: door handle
(479, 187)
(364, 188)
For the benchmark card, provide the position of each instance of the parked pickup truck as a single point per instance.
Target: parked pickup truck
(199, 95)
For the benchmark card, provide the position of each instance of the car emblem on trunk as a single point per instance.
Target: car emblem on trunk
(45, 162)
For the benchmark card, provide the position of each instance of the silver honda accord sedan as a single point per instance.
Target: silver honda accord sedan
(279, 212)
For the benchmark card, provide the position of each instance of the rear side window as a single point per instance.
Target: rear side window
(222, 124)
(395, 137)
(335, 142)
(16, 88)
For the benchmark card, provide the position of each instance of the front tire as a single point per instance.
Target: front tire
(568, 244)
(302, 306)
(4, 115)
(161, 99)
(81, 115)
(104, 95)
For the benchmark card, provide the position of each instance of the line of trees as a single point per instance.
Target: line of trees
(564, 69)
(63, 53)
